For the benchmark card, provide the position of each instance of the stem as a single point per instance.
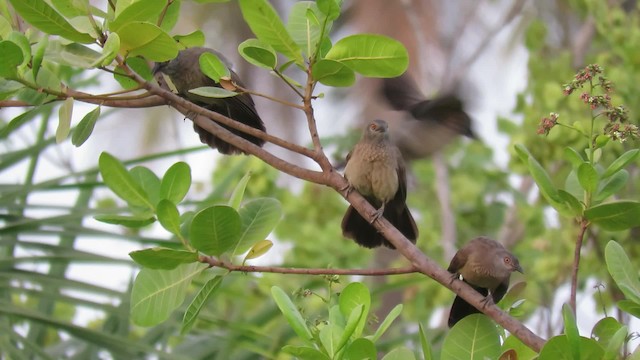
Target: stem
(584, 224)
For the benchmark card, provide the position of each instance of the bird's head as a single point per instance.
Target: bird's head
(377, 129)
(511, 263)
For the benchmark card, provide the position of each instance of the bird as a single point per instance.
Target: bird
(185, 74)
(486, 265)
(425, 125)
(375, 169)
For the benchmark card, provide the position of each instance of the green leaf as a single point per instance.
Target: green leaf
(268, 28)
(163, 258)
(572, 203)
(125, 220)
(64, 120)
(393, 314)
(205, 293)
(333, 73)
(305, 352)
(351, 297)
(118, 179)
(109, 51)
(85, 127)
(331, 8)
(238, 192)
(291, 313)
(330, 337)
(557, 348)
(474, 337)
(138, 65)
(141, 10)
(10, 57)
(612, 185)
(259, 217)
(258, 53)
(542, 179)
(168, 216)
(176, 182)
(215, 230)
(371, 55)
(43, 17)
(571, 330)
(523, 351)
(615, 215)
(305, 25)
(622, 271)
(361, 349)
(213, 92)
(157, 293)
(38, 54)
(400, 353)
(630, 307)
(621, 162)
(21, 40)
(259, 249)
(350, 327)
(148, 40)
(604, 330)
(193, 39)
(148, 182)
(213, 67)
(588, 177)
(424, 343)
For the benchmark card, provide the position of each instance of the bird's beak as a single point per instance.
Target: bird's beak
(519, 269)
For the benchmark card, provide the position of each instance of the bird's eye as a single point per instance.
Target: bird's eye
(507, 260)
(373, 126)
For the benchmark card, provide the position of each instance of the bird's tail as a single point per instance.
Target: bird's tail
(355, 227)
(461, 309)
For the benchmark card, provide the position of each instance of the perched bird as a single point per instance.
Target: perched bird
(376, 170)
(427, 125)
(485, 265)
(185, 74)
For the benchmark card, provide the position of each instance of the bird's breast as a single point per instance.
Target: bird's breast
(373, 172)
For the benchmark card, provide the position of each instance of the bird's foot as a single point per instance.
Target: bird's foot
(376, 215)
(488, 300)
(454, 277)
(347, 190)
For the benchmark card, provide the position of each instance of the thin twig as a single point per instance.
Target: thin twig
(288, 270)
(584, 224)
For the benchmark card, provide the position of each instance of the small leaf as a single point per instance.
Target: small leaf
(10, 57)
(612, 185)
(85, 127)
(258, 54)
(371, 55)
(43, 17)
(205, 293)
(168, 216)
(333, 73)
(361, 349)
(215, 230)
(557, 348)
(630, 307)
(331, 8)
(238, 192)
(543, 181)
(615, 215)
(213, 92)
(259, 249)
(163, 258)
(176, 182)
(330, 337)
(622, 271)
(193, 39)
(148, 182)
(157, 293)
(393, 314)
(621, 162)
(572, 203)
(213, 67)
(263, 20)
(351, 297)
(148, 40)
(118, 179)
(588, 177)
(424, 343)
(305, 352)
(399, 353)
(571, 330)
(124, 220)
(350, 327)
(259, 217)
(291, 313)
(64, 120)
(141, 10)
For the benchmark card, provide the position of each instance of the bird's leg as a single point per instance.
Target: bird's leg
(454, 276)
(376, 215)
(347, 189)
(487, 300)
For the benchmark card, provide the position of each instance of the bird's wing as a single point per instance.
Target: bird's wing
(500, 291)
(401, 92)
(458, 261)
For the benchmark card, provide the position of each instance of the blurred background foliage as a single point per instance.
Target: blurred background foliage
(47, 241)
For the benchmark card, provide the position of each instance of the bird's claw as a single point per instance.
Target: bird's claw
(347, 190)
(377, 214)
(488, 300)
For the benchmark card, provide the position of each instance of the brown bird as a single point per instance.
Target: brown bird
(376, 170)
(427, 125)
(185, 74)
(485, 265)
